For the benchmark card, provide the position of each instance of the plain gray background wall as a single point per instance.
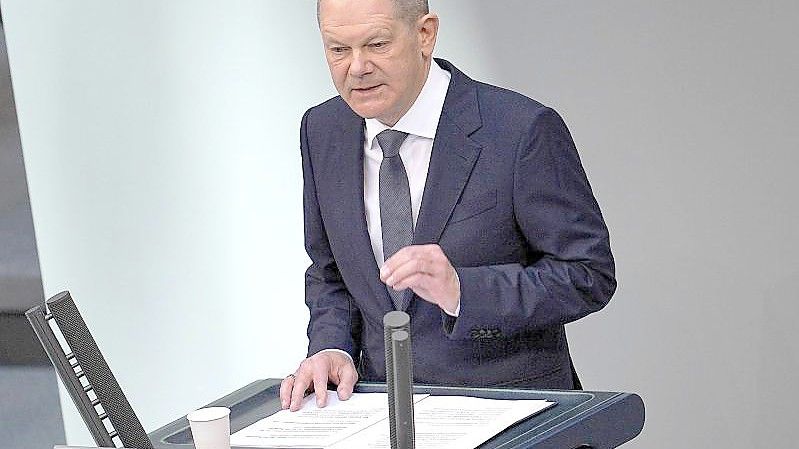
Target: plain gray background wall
(164, 176)
(685, 114)
(686, 117)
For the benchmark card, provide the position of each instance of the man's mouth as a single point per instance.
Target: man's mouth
(365, 89)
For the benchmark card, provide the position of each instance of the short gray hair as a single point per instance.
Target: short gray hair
(407, 10)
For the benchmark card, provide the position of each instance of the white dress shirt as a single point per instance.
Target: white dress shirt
(420, 122)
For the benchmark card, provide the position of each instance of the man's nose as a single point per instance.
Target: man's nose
(360, 65)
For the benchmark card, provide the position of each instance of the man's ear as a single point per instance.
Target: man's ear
(427, 26)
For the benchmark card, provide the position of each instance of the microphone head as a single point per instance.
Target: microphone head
(396, 319)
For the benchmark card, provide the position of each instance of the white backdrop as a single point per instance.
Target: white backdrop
(161, 146)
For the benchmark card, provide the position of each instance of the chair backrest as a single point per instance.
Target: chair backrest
(86, 375)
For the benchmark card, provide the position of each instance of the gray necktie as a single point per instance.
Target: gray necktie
(395, 205)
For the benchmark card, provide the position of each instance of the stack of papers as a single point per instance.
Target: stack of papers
(446, 422)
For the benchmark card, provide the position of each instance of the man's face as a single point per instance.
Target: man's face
(378, 62)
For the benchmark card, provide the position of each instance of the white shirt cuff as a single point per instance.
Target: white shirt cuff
(455, 313)
(338, 350)
(458, 308)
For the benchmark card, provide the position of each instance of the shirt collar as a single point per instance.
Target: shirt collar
(422, 118)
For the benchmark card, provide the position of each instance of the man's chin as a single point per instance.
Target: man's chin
(365, 111)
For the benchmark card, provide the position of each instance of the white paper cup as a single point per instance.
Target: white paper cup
(210, 427)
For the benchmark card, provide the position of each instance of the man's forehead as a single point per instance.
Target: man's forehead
(346, 34)
(353, 23)
(341, 22)
(339, 12)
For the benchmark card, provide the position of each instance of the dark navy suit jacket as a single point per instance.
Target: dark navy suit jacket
(507, 200)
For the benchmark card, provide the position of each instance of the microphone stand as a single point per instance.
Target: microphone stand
(399, 378)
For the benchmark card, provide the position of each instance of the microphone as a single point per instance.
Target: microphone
(399, 378)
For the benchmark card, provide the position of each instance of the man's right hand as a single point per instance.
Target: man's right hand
(314, 373)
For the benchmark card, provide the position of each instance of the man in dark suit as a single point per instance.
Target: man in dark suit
(462, 203)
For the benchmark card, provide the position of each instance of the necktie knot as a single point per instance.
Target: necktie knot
(390, 141)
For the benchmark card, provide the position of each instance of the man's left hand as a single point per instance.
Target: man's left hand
(426, 270)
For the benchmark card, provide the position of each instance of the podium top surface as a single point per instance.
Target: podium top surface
(579, 419)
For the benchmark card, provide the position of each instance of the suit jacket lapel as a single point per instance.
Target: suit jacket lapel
(453, 157)
(349, 173)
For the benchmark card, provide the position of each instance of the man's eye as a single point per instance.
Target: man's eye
(378, 44)
(338, 50)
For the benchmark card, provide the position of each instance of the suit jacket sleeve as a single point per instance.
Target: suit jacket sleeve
(571, 272)
(335, 321)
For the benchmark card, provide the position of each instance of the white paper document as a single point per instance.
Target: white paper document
(451, 422)
(314, 427)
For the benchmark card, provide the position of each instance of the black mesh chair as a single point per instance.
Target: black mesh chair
(86, 375)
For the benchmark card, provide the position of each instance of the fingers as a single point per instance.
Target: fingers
(302, 381)
(285, 391)
(426, 270)
(314, 372)
(423, 282)
(320, 386)
(424, 259)
(311, 372)
(347, 376)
